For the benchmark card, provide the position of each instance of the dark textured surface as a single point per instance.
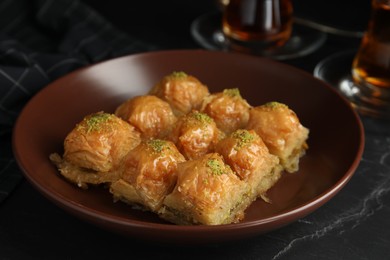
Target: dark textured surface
(353, 225)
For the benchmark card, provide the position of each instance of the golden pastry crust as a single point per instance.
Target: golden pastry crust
(281, 131)
(182, 91)
(245, 152)
(83, 177)
(95, 148)
(228, 109)
(195, 134)
(207, 192)
(149, 174)
(192, 157)
(149, 114)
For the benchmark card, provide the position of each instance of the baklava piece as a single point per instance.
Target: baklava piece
(207, 192)
(228, 109)
(281, 131)
(150, 115)
(149, 174)
(245, 152)
(95, 148)
(182, 91)
(195, 134)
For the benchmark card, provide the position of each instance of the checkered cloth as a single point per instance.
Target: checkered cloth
(41, 40)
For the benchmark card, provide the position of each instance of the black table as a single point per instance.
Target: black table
(353, 225)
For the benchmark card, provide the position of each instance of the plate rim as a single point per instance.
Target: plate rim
(302, 210)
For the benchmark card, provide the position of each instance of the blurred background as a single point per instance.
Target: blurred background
(175, 23)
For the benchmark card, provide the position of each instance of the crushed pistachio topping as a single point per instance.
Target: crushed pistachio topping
(232, 92)
(275, 105)
(202, 117)
(95, 121)
(216, 167)
(157, 145)
(243, 137)
(178, 74)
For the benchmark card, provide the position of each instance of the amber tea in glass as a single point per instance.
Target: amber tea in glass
(264, 24)
(371, 65)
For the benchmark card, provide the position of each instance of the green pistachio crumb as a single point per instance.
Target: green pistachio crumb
(216, 167)
(202, 117)
(178, 74)
(243, 137)
(95, 121)
(275, 105)
(232, 92)
(157, 145)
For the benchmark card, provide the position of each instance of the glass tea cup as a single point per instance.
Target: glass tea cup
(371, 64)
(257, 26)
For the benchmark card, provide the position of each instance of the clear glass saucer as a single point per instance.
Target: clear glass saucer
(336, 71)
(207, 31)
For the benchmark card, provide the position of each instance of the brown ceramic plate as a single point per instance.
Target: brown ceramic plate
(336, 138)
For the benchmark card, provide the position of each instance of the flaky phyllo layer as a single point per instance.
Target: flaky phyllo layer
(190, 156)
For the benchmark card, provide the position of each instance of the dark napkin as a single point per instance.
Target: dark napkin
(41, 40)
